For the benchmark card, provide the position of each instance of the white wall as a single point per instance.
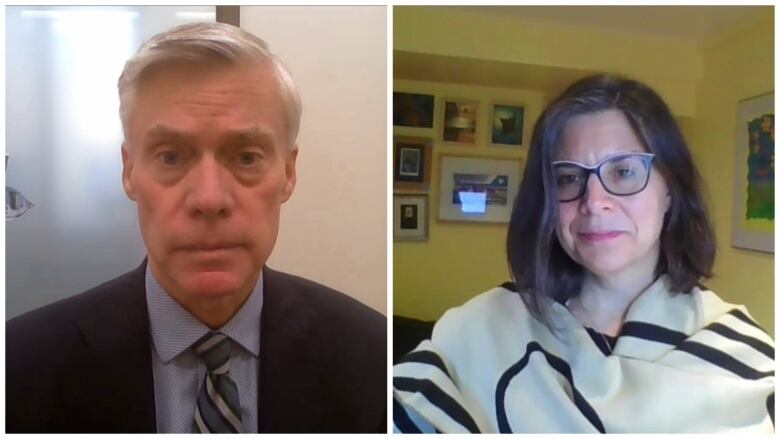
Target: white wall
(333, 229)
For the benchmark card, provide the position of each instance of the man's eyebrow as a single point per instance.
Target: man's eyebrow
(164, 131)
(252, 135)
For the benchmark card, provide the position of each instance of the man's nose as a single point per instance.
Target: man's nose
(209, 190)
(596, 196)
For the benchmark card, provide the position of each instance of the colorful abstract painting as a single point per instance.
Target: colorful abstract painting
(753, 208)
(761, 168)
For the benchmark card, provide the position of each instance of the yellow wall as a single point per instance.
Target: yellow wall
(671, 66)
(734, 69)
(459, 259)
(701, 86)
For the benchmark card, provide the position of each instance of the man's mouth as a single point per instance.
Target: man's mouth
(209, 247)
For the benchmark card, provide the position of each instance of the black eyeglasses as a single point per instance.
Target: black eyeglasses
(620, 174)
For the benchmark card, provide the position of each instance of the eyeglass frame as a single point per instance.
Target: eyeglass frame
(596, 169)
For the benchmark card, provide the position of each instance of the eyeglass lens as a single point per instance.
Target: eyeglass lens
(622, 175)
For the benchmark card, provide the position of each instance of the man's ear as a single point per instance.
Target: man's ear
(289, 170)
(127, 170)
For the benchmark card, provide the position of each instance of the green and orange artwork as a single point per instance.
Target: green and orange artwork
(761, 168)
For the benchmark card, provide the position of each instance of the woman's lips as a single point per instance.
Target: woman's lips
(600, 236)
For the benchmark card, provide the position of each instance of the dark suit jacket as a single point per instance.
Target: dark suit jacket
(84, 364)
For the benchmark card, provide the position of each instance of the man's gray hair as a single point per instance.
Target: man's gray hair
(206, 43)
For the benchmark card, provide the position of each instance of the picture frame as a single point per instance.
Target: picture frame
(507, 122)
(412, 157)
(459, 119)
(478, 188)
(752, 225)
(413, 110)
(410, 217)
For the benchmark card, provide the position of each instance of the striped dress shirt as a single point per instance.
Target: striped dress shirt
(178, 372)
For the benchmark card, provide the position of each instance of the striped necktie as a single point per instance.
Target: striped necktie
(217, 409)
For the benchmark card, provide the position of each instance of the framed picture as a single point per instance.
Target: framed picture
(412, 162)
(412, 110)
(478, 189)
(753, 217)
(459, 121)
(506, 128)
(410, 217)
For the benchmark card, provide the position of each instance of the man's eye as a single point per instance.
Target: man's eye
(249, 158)
(169, 158)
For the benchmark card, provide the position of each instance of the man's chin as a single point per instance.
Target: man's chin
(215, 284)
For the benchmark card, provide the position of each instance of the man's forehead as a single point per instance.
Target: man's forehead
(183, 82)
(252, 132)
(208, 66)
(176, 89)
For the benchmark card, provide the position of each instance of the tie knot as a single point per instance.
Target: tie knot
(214, 349)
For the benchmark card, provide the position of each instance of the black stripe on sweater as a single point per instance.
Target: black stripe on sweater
(425, 357)
(649, 331)
(723, 360)
(755, 343)
(742, 316)
(560, 366)
(402, 420)
(438, 398)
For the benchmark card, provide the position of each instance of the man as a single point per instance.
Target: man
(202, 336)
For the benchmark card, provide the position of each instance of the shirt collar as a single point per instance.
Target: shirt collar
(174, 329)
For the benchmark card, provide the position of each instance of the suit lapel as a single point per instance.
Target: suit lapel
(287, 389)
(110, 384)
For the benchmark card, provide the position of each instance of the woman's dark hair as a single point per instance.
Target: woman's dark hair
(538, 263)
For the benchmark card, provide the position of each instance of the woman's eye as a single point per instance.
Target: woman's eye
(567, 179)
(626, 172)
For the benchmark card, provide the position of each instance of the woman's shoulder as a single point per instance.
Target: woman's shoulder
(496, 297)
(498, 305)
(467, 351)
(712, 305)
(494, 321)
(715, 312)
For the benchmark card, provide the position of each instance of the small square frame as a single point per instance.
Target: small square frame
(507, 123)
(459, 121)
(414, 174)
(410, 217)
(414, 110)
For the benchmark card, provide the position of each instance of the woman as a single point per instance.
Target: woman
(606, 328)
